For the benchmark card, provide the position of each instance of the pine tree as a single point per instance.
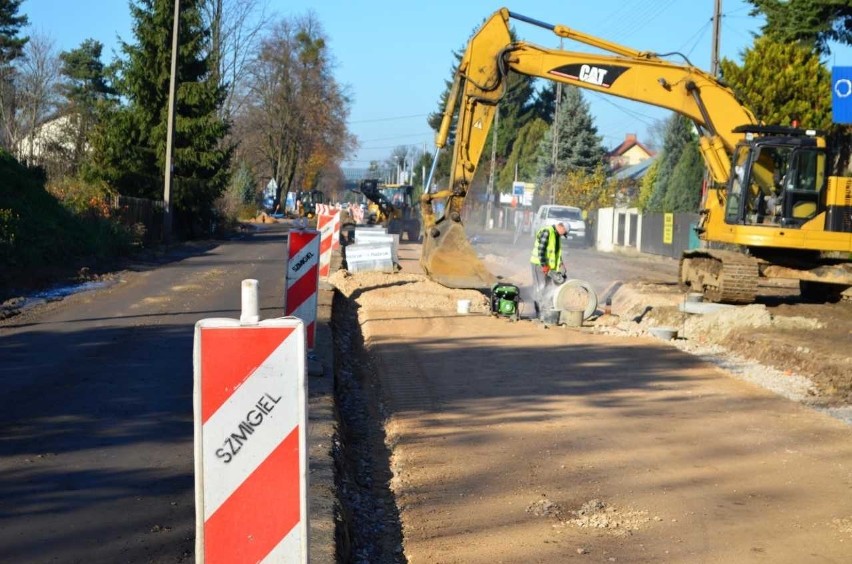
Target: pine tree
(545, 102)
(784, 80)
(678, 135)
(579, 145)
(523, 155)
(813, 23)
(780, 82)
(11, 48)
(11, 45)
(529, 136)
(85, 88)
(130, 147)
(515, 111)
(683, 193)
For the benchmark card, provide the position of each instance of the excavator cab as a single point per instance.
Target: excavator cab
(778, 179)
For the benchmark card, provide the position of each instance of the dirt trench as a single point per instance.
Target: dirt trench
(368, 523)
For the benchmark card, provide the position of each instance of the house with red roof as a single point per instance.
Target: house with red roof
(630, 152)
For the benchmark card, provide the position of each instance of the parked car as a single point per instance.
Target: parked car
(570, 216)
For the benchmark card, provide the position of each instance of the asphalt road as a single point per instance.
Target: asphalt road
(96, 429)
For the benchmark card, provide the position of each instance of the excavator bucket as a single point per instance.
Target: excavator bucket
(448, 258)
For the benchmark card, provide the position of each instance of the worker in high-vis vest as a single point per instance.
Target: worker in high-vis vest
(546, 257)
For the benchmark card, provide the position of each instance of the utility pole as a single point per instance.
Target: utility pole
(717, 25)
(170, 128)
(423, 171)
(489, 193)
(554, 148)
(714, 71)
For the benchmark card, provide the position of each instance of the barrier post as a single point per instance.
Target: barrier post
(249, 404)
(302, 279)
(335, 236)
(325, 225)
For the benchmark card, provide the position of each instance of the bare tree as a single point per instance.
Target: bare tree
(36, 97)
(402, 161)
(294, 123)
(236, 27)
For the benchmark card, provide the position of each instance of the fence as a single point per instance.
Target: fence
(668, 234)
(144, 217)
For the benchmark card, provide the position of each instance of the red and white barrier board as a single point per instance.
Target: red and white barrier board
(328, 210)
(325, 224)
(335, 236)
(250, 448)
(302, 278)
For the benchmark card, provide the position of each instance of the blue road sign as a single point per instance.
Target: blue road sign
(841, 94)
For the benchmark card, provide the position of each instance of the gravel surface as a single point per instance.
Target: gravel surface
(714, 337)
(661, 459)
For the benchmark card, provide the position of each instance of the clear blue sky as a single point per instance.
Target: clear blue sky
(395, 56)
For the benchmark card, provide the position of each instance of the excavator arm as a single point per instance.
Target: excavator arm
(480, 83)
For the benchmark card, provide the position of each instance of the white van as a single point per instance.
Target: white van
(570, 216)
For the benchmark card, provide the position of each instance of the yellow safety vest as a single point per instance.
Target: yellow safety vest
(554, 248)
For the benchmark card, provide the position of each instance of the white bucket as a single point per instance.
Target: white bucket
(463, 306)
(571, 317)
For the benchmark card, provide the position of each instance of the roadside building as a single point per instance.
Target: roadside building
(629, 153)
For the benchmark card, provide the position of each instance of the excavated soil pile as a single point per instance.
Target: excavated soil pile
(413, 291)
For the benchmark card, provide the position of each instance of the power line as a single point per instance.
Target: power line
(632, 113)
(384, 147)
(623, 7)
(738, 10)
(386, 119)
(641, 20)
(403, 136)
(698, 34)
(698, 40)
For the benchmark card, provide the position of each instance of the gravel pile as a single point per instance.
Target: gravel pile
(595, 514)
(404, 291)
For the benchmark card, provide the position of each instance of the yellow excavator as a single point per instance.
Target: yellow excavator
(393, 206)
(306, 202)
(772, 210)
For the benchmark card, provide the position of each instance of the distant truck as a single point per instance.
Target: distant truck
(572, 217)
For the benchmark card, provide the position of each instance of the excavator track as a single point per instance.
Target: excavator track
(722, 276)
